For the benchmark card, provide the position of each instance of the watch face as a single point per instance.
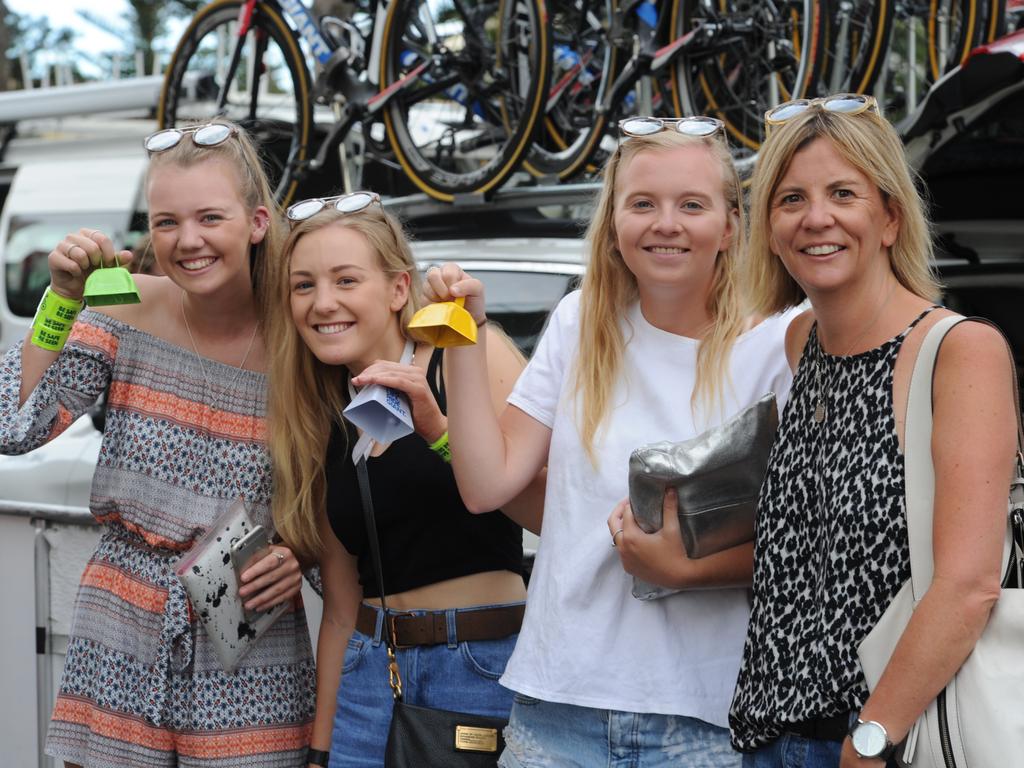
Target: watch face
(869, 739)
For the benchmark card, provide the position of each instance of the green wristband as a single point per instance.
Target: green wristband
(52, 324)
(440, 447)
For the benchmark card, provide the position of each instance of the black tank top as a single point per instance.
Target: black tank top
(426, 533)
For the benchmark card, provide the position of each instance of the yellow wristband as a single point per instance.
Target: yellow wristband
(440, 447)
(52, 324)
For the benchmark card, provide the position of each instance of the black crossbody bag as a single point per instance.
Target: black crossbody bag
(420, 737)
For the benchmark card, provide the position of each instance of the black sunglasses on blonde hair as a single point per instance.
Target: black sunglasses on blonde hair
(208, 135)
(353, 202)
(839, 103)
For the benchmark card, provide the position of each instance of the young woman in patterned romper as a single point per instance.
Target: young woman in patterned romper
(836, 217)
(184, 437)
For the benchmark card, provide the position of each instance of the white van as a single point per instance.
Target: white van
(48, 199)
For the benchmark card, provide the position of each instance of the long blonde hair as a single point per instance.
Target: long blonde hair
(871, 145)
(240, 154)
(609, 288)
(307, 396)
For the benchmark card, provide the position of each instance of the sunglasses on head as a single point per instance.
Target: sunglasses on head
(840, 103)
(353, 202)
(695, 125)
(208, 135)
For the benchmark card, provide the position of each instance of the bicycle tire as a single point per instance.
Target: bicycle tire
(483, 85)
(857, 43)
(994, 25)
(965, 18)
(282, 124)
(571, 130)
(734, 78)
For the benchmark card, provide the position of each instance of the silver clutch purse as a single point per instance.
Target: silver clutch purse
(718, 477)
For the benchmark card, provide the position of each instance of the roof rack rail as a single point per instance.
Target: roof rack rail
(510, 212)
(81, 99)
(505, 199)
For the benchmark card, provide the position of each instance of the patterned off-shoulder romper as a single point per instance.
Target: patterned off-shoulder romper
(142, 685)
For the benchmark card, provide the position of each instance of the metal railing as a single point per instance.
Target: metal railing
(41, 517)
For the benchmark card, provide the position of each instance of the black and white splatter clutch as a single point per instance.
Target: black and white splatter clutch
(209, 575)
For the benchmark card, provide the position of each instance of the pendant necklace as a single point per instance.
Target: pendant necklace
(819, 405)
(215, 401)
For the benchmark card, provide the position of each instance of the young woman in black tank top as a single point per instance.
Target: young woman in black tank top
(835, 217)
(347, 288)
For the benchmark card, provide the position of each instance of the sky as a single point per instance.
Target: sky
(62, 13)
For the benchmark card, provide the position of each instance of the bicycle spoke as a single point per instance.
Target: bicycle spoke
(468, 115)
(258, 81)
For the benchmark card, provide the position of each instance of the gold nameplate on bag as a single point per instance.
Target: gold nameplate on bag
(471, 739)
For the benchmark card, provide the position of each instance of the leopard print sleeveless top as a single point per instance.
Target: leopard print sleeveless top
(831, 546)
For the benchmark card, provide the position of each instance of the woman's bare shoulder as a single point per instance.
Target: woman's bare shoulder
(796, 336)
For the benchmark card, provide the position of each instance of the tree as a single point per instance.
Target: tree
(143, 24)
(6, 19)
(28, 35)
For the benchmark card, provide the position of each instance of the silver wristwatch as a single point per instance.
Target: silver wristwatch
(871, 740)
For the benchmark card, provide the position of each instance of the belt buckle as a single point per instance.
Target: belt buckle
(390, 626)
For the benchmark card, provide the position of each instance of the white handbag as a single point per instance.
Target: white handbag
(977, 721)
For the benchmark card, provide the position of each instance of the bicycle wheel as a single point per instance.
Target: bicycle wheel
(856, 44)
(266, 90)
(584, 65)
(467, 81)
(746, 57)
(994, 25)
(954, 28)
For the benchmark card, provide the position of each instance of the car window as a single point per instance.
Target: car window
(31, 237)
(521, 301)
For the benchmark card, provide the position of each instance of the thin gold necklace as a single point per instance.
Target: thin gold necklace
(819, 406)
(202, 367)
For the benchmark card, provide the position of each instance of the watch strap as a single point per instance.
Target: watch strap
(317, 757)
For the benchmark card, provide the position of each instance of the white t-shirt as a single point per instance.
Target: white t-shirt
(585, 639)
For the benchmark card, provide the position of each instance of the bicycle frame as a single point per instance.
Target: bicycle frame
(349, 112)
(647, 59)
(304, 23)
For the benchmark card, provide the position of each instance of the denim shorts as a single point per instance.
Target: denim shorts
(791, 751)
(457, 676)
(545, 734)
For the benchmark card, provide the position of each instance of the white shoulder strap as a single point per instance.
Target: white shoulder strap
(919, 472)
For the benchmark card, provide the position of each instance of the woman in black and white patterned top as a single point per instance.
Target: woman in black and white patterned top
(835, 217)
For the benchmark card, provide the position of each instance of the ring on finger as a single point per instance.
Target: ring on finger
(279, 556)
(614, 544)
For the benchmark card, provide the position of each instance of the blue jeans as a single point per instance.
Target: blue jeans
(457, 676)
(542, 733)
(791, 751)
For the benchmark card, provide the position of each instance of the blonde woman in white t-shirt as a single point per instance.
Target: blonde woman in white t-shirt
(655, 346)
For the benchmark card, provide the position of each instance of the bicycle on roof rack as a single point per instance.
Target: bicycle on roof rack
(900, 48)
(732, 59)
(459, 85)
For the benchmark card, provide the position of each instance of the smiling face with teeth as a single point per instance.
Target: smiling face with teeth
(829, 222)
(200, 227)
(672, 219)
(344, 305)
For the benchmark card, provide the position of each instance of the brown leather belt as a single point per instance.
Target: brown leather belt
(834, 728)
(432, 628)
